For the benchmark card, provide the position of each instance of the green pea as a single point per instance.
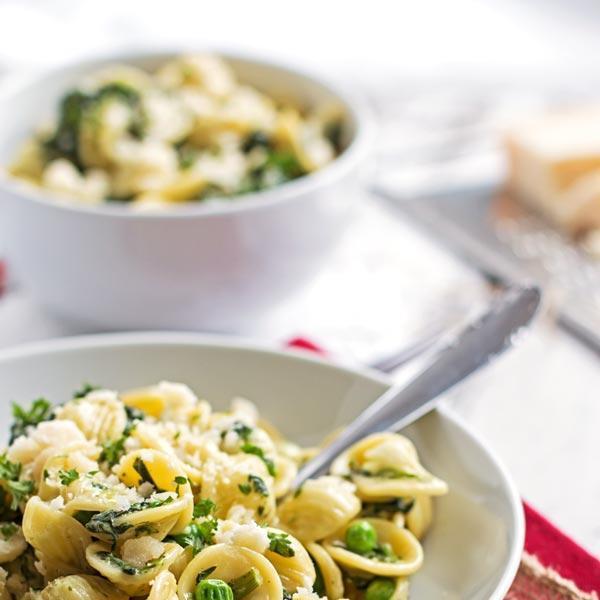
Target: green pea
(213, 589)
(381, 588)
(361, 537)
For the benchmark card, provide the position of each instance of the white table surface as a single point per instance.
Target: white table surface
(539, 406)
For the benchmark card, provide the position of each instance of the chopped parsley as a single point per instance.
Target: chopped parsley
(20, 491)
(144, 529)
(84, 390)
(281, 544)
(197, 535)
(84, 516)
(10, 473)
(66, 477)
(107, 522)
(40, 410)
(126, 567)
(256, 484)
(141, 469)
(8, 530)
(256, 451)
(243, 431)
(112, 451)
(204, 507)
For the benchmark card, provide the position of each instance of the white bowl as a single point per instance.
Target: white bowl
(216, 266)
(473, 550)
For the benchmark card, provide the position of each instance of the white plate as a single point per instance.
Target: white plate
(473, 550)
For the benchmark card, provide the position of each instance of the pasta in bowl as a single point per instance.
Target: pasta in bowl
(239, 205)
(151, 493)
(188, 131)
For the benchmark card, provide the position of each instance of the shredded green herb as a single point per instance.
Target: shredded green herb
(84, 390)
(106, 522)
(196, 535)
(126, 567)
(8, 530)
(39, 411)
(204, 508)
(66, 477)
(256, 451)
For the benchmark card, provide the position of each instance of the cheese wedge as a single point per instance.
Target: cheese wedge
(554, 163)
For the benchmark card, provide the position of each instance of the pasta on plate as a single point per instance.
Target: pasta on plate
(151, 494)
(188, 132)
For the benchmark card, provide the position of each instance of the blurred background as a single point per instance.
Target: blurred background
(443, 79)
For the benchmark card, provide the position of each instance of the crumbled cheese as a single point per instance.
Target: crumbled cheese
(57, 503)
(248, 535)
(306, 594)
(243, 408)
(139, 551)
(240, 514)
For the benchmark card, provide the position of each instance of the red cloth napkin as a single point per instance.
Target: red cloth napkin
(553, 566)
(2, 276)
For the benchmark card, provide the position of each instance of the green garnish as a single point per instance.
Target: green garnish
(39, 411)
(256, 451)
(78, 108)
(213, 589)
(106, 522)
(20, 491)
(381, 588)
(84, 516)
(204, 507)
(112, 451)
(84, 390)
(66, 477)
(245, 584)
(139, 466)
(10, 473)
(126, 567)
(197, 535)
(361, 537)
(8, 530)
(244, 431)
(145, 529)
(281, 544)
(319, 584)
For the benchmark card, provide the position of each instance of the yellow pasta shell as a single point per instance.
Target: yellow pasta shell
(295, 571)
(404, 544)
(137, 584)
(81, 587)
(332, 576)
(231, 562)
(59, 539)
(322, 506)
(164, 470)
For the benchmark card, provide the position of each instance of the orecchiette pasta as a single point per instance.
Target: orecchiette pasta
(151, 494)
(81, 587)
(188, 132)
(386, 465)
